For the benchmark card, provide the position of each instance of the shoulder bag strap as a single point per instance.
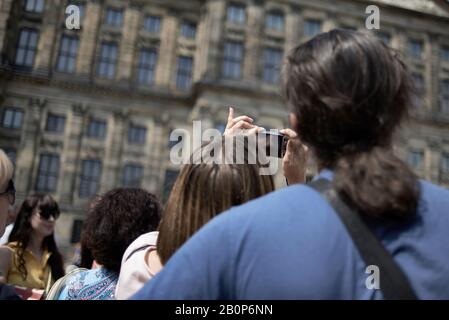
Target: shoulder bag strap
(394, 283)
(138, 249)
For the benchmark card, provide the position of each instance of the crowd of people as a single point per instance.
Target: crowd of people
(226, 233)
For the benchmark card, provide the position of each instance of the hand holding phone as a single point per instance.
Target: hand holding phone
(295, 159)
(275, 142)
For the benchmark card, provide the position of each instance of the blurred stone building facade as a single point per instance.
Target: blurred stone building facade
(84, 111)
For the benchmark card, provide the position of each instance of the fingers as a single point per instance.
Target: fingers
(243, 125)
(289, 133)
(232, 121)
(254, 130)
(242, 118)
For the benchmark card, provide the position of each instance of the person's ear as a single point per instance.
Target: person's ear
(293, 122)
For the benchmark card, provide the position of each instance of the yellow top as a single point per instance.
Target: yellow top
(38, 271)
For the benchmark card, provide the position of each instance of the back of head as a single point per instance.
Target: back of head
(6, 170)
(116, 220)
(206, 187)
(349, 93)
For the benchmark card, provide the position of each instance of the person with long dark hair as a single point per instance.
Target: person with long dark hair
(31, 258)
(347, 93)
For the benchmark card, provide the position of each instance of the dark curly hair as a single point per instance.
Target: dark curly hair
(349, 93)
(21, 233)
(117, 219)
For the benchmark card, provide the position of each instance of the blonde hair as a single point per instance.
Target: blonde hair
(6, 170)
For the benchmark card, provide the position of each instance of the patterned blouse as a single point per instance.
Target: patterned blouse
(95, 284)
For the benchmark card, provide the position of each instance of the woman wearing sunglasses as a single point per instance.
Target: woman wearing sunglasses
(31, 258)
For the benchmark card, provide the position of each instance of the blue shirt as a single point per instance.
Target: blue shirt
(290, 244)
(94, 284)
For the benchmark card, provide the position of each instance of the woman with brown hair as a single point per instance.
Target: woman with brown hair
(31, 259)
(208, 185)
(202, 190)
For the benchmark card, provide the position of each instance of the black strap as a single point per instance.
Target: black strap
(393, 282)
(138, 249)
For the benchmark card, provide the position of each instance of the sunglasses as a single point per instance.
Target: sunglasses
(46, 214)
(10, 192)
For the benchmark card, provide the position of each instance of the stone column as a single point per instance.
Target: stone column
(47, 38)
(117, 138)
(89, 36)
(207, 60)
(29, 147)
(292, 29)
(253, 43)
(167, 50)
(157, 157)
(432, 79)
(72, 154)
(127, 45)
(5, 11)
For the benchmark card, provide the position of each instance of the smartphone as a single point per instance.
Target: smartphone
(275, 142)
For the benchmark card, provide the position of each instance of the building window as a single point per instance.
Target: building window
(146, 66)
(184, 72)
(34, 6)
(275, 21)
(114, 17)
(312, 27)
(444, 168)
(77, 227)
(47, 175)
(96, 129)
(233, 58)
(68, 51)
(172, 143)
(236, 14)
(444, 96)
(132, 176)
(415, 159)
(169, 181)
(415, 48)
(418, 80)
(27, 47)
(272, 64)
(137, 134)
(384, 37)
(444, 53)
(445, 163)
(12, 118)
(107, 60)
(55, 123)
(90, 178)
(188, 30)
(152, 24)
